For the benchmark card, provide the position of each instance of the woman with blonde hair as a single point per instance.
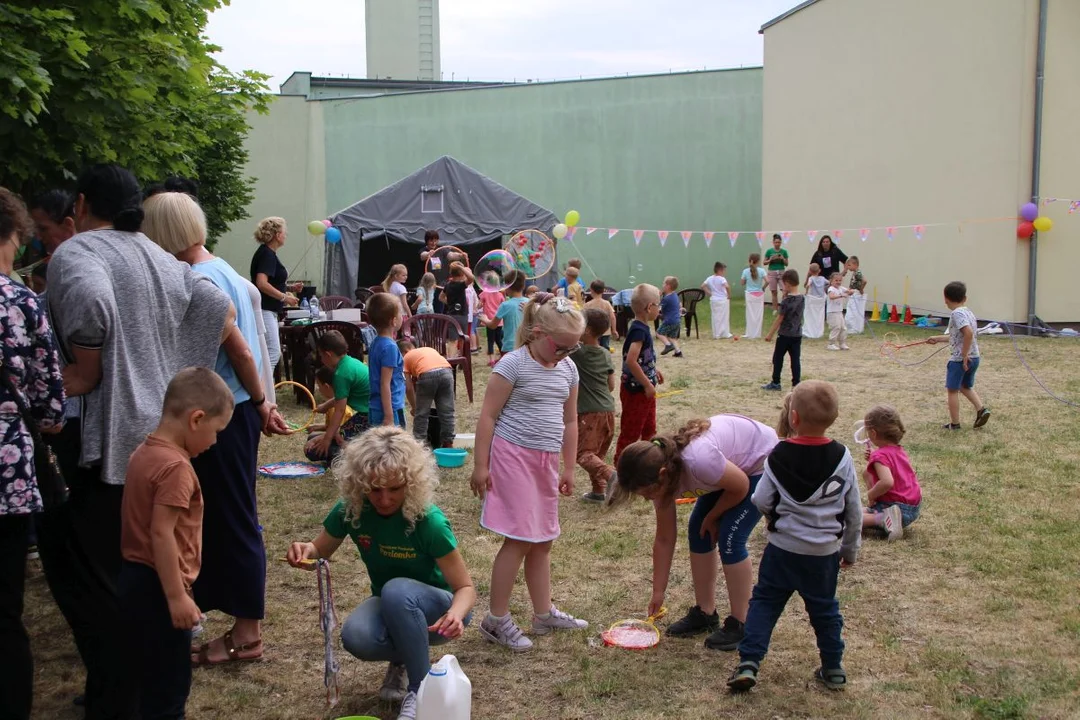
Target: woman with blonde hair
(394, 283)
(421, 592)
(233, 574)
(269, 275)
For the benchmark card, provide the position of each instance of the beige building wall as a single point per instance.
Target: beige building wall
(1059, 250)
(878, 113)
(287, 159)
(403, 39)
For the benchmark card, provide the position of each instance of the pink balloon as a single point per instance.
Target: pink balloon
(327, 223)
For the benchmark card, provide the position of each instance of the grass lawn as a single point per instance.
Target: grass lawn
(973, 615)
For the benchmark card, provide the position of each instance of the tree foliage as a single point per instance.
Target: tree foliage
(133, 82)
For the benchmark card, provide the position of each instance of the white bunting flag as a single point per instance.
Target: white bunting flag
(589, 230)
(686, 235)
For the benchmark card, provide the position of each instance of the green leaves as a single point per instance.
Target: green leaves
(126, 81)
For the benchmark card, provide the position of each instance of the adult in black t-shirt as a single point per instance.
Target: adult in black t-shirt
(828, 257)
(269, 275)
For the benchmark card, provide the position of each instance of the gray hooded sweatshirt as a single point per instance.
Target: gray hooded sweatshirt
(809, 496)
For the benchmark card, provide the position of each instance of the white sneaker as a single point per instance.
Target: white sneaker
(831, 347)
(844, 347)
(408, 707)
(504, 631)
(394, 685)
(894, 523)
(556, 620)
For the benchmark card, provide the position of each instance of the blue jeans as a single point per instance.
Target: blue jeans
(394, 626)
(957, 377)
(734, 530)
(781, 574)
(908, 513)
(375, 417)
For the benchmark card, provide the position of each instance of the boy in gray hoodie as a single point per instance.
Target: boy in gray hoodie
(809, 496)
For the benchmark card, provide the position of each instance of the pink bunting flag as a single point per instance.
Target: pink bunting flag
(864, 233)
(889, 232)
(662, 234)
(786, 235)
(1074, 206)
(732, 237)
(919, 231)
(708, 235)
(760, 235)
(838, 234)
(589, 230)
(570, 233)
(686, 235)
(811, 235)
(638, 234)
(612, 232)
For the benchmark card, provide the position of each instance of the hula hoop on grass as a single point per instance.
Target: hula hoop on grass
(288, 470)
(634, 634)
(311, 419)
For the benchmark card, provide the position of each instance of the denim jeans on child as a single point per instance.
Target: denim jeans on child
(732, 532)
(781, 574)
(394, 626)
(908, 513)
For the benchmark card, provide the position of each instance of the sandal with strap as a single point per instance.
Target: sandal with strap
(232, 652)
(834, 679)
(744, 677)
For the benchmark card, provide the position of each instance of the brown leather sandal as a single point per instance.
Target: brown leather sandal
(232, 652)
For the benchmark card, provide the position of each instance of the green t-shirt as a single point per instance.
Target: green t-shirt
(389, 550)
(351, 381)
(594, 366)
(776, 264)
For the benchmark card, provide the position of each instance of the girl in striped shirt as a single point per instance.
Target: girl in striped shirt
(528, 419)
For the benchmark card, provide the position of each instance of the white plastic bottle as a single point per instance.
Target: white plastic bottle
(446, 693)
(313, 307)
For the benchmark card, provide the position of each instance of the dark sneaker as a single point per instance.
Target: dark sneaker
(981, 417)
(951, 426)
(593, 497)
(667, 349)
(772, 386)
(678, 353)
(835, 679)
(727, 637)
(694, 622)
(744, 677)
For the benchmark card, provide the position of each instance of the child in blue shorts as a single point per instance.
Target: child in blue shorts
(963, 358)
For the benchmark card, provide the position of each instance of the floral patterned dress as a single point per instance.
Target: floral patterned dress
(28, 353)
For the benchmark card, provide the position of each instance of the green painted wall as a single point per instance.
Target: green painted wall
(665, 152)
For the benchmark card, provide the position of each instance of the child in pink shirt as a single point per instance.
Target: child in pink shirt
(893, 489)
(490, 300)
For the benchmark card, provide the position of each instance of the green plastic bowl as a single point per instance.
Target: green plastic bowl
(450, 457)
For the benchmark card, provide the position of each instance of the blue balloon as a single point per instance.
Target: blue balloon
(333, 235)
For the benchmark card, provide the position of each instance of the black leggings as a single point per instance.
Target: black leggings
(494, 337)
(791, 346)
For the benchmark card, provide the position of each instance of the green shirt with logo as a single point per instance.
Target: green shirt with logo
(390, 549)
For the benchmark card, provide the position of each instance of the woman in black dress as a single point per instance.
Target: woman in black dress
(269, 275)
(828, 257)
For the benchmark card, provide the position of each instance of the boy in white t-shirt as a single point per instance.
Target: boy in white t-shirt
(834, 313)
(963, 358)
(716, 285)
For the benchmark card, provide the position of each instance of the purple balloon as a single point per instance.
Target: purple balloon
(1029, 211)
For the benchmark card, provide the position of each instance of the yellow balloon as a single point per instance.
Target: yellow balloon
(572, 218)
(1043, 224)
(559, 231)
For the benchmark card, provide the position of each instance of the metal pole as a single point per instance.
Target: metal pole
(1036, 163)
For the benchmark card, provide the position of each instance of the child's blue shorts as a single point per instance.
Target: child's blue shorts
(735, 526)
(956, 377)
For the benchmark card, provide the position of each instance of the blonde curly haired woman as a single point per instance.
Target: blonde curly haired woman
(269, 274)
(421, 592)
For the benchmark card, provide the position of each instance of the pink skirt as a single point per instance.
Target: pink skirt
(523, 503)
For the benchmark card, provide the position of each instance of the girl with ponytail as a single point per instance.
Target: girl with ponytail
(717, 463)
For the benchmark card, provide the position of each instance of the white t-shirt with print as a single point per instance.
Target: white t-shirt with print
(961, 318)
(836, 300)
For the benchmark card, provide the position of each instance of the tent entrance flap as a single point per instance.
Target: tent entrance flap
(379, 251)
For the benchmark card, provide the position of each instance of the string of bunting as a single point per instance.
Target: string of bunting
(762, 237)
(1074, 205)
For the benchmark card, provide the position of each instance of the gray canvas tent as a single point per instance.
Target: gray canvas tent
(468, 209)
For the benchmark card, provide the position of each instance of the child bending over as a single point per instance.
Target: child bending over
(893, 492)
(161, 539)
(352, 389)
(810, 498)
(429, 379)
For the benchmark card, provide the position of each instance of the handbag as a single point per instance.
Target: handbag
(50, 480)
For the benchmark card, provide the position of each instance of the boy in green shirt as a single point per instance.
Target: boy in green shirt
(595, 404)
(776, 258)
(352, 388)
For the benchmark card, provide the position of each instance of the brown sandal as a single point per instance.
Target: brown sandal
(232, 652)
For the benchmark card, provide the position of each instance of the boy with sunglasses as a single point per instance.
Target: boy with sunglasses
(639, 374)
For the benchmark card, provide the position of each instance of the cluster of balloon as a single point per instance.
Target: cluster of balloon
(325, 227)
(572, 218)
(1030, 221)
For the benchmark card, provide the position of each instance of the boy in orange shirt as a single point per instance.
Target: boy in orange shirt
(161, 539)
(429, 378)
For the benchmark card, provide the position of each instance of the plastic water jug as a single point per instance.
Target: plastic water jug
(445, 694)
